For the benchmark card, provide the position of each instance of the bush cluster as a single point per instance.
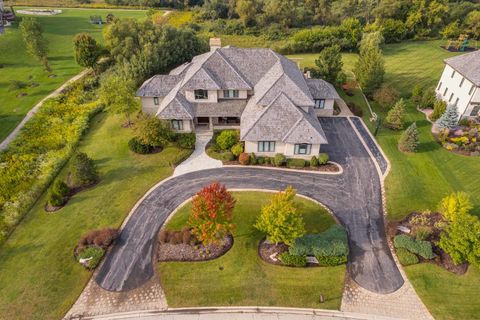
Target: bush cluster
(227, 139)
(101, 238)
(293, 260)
(41, 149)
(237, 149)
(405, 257)
(186, 140)
(329, 247)
(244, 159)
(279, 160)
(296, 163)
(58, 193)
(323, 158)
(82, 170)
(93, 252)
(136, 146)
(420, 247)
(176, 237)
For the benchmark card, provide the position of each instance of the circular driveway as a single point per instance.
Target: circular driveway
(354, 197)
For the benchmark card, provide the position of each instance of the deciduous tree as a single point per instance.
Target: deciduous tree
(37, 45)
(329, 64)
(152, 131)
(370, 68)
(116, 94)
(86, 49)
(211, 218)
(280, 219)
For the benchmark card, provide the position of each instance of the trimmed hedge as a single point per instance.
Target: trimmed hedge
(329, 247)
(422, 248)
(136, 146)
(279, 160)
(293, 260)
(296, 163)
(323, 158)
(405, 257)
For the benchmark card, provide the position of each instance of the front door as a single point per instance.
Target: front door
(203, 123)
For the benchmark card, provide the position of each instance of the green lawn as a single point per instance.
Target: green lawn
(447, 295)
(246, 280)
(18, 65)
(38, 275)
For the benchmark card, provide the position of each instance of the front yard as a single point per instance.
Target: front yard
(241, 278)
(39, 276)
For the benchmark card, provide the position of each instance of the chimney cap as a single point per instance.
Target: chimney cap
(215, 43)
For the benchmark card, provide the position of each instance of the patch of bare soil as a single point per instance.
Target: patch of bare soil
(193, 252)
(269, 252)
(434, 222)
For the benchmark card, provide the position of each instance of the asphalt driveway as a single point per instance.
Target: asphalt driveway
(354, 197)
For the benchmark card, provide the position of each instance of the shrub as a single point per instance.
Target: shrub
(54, 199)
(102, 238)
(417, 93)
(60, 188)
(186, 236)
(153, 131)
(186, 140)
(17, 85)
(449, 118)
(93, 252)
(261, 160)
(422, 248)
(296, 163)
(409, 139)
(331, 246)
(280, 219)
(422, 233)
(279, 160)
(314, 162)
(396, 116)
(323, 158)
(293, 260)
(454, 205)
(253, 159)
(227, 156)
(386, 95)
(212, 213)
(439, 108)
(227, 139)
(164, 236)
(136, 146)
(237, 149)
(82, 170)
(405, 257)
(428, 99)
(244, 159)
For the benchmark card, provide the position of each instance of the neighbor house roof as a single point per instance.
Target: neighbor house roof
(468, 65)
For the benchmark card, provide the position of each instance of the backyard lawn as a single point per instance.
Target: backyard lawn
(38, 275)
(18, 65)
(246, 279)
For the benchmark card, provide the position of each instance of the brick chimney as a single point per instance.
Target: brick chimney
(215, 43)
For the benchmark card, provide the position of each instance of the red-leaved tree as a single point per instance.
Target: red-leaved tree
(212, 213)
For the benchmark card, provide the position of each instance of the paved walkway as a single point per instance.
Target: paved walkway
(31, 113)
(198, 160)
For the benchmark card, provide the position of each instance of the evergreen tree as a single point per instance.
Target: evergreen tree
(329, 64)
(449, 119)
(370, 67)
(37, 45)
(408, 141)
(439, 108)
(396, 116)
(86, 49)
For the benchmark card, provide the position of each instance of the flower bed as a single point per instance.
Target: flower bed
(465, 140)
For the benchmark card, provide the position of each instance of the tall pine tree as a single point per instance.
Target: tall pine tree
(408, 141)
(449, 119)
(396, 116)
(370, 67)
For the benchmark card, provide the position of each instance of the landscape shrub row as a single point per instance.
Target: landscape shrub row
(41, 149)
(420, 247)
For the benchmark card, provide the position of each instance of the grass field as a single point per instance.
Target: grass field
(38, 275)
(18, 65)
(418, 181)
(246, 280)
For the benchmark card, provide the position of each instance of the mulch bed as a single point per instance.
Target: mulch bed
(73, 191)
(442, 259)
(266, 250)
(329, 167)
(187, 252)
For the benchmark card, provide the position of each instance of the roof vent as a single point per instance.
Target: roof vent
(215, 43)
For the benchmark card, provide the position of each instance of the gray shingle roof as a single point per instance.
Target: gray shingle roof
(321, 89)
(223, 108)
(468, 65)
(158, 86)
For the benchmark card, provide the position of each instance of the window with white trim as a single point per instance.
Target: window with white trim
(319, 104)
(471, 90)
(439, 86)
(266, 146)
(451, 97)
(201, 94)
(445, 92)
(453, 74)
(156, 101)
(177, 124)
(461, 82)
(303, 148)
(229, 94)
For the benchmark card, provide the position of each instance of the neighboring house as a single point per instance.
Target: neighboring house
(460, 84)
(258, 91)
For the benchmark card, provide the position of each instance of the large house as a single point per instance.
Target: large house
(460, 84)
(258, 91)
